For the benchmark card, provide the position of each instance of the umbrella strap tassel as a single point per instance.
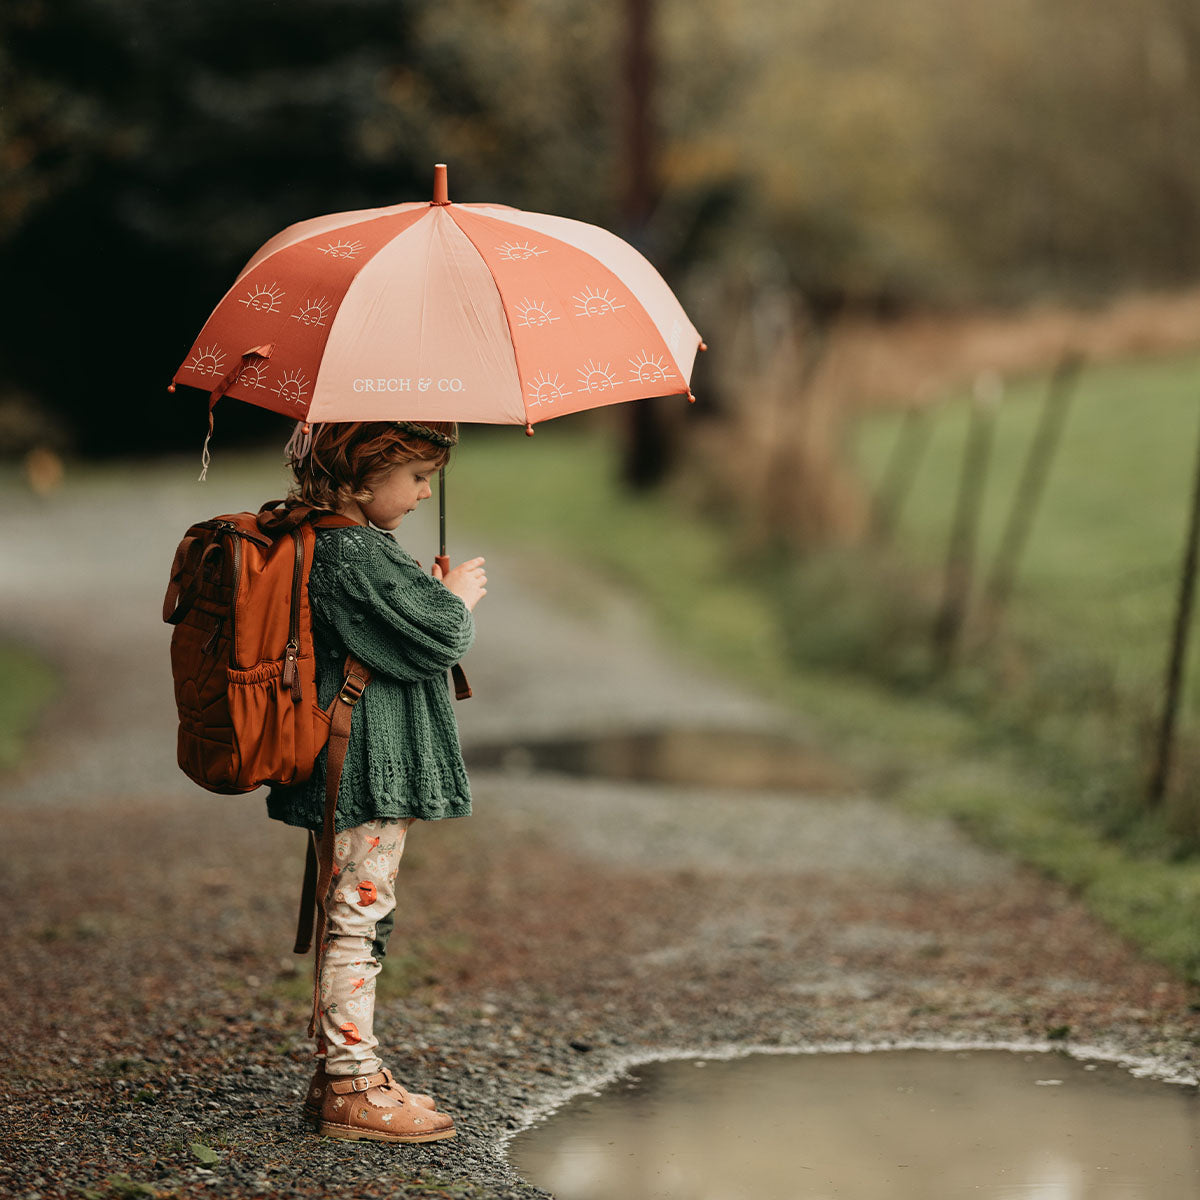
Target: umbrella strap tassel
(205, 456)
(255, 352)
(300, 443)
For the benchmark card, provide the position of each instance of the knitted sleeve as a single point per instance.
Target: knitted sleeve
(376, 603)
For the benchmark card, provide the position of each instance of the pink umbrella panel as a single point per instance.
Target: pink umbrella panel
(440, 311)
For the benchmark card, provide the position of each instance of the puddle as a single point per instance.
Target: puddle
(889, 1125)
(715, 758)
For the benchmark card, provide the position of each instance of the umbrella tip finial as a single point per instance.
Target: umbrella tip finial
(441, 191)
(528, 429)
(171, 388)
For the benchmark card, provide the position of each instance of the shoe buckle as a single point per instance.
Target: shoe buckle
(362, 1082)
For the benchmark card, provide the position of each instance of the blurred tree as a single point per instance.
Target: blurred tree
(948, 152)
(149, 147)
(931, 152)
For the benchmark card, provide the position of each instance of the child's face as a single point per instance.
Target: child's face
(398, 492)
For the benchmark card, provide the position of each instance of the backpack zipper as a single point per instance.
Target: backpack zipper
(211, 643)
(290, 676)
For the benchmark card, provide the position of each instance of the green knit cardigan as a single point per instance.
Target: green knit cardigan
(371, 599)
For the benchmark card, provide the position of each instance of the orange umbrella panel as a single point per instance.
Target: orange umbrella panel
(439, 311)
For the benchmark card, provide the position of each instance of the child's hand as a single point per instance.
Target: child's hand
(467, 581)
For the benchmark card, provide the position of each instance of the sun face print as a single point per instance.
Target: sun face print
(592, 303)
(293, 387)
(264, 299)
(252, 375)
(535, 313)
(342, 249)
(519, 251)
(546, 389)
(649, 369)
(208, 360)
(313, 312)
(594, 377)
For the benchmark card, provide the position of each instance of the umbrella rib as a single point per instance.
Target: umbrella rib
(503, 308)
(424, 297)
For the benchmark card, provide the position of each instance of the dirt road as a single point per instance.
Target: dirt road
(154, 1031)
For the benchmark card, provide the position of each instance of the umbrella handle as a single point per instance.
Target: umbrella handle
(462, 689)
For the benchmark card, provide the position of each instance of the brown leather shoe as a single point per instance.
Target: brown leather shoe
(375, 1108)
(315, 1095)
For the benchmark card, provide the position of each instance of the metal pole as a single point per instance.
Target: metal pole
(1179, 641)
(648, 445)
(442, 513)
(640, 175)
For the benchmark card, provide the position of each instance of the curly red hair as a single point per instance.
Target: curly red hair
(345, 458)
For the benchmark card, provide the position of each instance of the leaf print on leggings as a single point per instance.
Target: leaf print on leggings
(355, 905)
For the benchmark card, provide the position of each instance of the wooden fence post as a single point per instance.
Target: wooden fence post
(898, 477)
(960, 556)
(1030, 488)
(1178, 652)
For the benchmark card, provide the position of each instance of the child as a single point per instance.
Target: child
(371, 600)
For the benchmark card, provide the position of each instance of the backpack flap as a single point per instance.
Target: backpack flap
(242, 654)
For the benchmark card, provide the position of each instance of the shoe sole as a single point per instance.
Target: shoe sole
(350, 1134)
(312, 1116)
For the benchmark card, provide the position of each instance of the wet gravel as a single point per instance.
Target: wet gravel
(153, 1035)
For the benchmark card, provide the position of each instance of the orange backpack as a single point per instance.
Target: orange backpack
(245, 675)
(242, 649)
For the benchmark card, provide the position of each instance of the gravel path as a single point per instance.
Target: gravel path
(153, 1041)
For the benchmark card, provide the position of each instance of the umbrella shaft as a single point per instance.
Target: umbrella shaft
(442, 512)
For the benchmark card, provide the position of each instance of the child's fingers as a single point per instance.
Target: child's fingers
(437, 571)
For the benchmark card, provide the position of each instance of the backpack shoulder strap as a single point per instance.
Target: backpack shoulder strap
(318, 868)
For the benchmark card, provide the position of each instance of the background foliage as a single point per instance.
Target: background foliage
(890, 155)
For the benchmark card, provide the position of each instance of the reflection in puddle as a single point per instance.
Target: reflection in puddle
(891, 1125)
(713, 757)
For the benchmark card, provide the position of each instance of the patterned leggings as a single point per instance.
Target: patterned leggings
(361, 898)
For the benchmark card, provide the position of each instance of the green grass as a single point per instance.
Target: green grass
(1099, 574)
(1078, 676)
(29, 685)
(1035, 749)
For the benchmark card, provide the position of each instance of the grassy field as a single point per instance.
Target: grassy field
(29, 683)
(1037, 747)
(1101, 567)
(1079, 672)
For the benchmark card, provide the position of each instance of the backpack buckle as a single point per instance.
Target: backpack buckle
(352, 689)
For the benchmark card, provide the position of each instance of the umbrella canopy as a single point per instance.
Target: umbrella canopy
(441, 311)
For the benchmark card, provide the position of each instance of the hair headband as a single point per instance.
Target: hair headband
(300, 443)
(445, 440)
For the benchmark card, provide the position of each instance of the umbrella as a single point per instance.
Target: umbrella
(439, 311)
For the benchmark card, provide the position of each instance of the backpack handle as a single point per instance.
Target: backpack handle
(176, 603)
(282, 516)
